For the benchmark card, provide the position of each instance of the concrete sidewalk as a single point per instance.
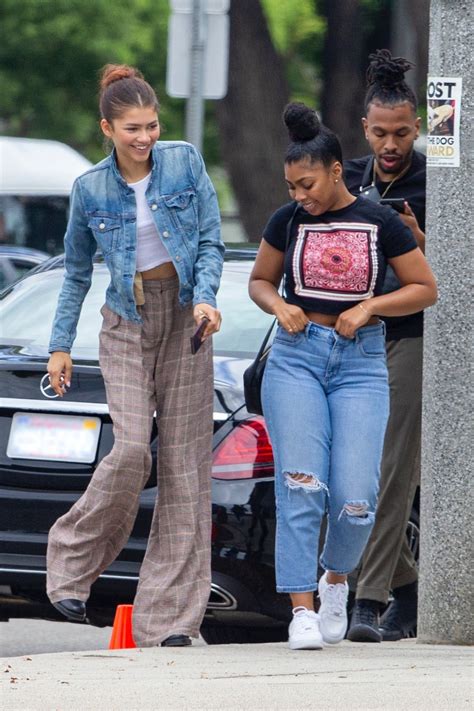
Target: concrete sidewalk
(395, 676)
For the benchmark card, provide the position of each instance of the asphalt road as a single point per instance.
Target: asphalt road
(23, 637)
(19, 638)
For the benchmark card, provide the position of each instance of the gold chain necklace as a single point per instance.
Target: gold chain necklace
(400, 174)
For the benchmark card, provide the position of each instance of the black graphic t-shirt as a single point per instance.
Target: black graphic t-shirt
(411, 187)
(337, 259)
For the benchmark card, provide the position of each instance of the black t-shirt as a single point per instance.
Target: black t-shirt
(411, 187)
(339, 258)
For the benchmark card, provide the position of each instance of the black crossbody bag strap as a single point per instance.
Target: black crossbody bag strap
(253, 375)
(289, 227)
(368, 176)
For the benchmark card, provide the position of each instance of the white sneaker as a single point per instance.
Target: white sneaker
(303, 632)
(333, 610)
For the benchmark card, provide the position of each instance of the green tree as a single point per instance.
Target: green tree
(51, 52)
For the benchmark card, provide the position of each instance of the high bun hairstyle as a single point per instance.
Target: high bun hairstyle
(121, 88)
(310, 139)
(386, 80)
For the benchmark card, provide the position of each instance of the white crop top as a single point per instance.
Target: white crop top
(150, 250)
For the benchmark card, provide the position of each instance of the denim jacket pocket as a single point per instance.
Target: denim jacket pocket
(182, 210)
(106, 230)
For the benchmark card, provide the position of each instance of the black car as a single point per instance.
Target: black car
(42, 475)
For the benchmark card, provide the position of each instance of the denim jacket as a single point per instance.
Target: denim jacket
(103, 216)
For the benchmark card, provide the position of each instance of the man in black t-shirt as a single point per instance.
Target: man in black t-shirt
(393, 170)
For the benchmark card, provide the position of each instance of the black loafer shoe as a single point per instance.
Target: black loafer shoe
(177, 640)
(74, 610)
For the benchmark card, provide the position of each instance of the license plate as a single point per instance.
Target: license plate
(65, 438)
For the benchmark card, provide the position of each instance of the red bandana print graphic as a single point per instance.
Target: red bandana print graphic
(336, 261)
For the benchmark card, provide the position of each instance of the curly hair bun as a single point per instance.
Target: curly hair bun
(385, 70)
(301, 121)
(115, 72)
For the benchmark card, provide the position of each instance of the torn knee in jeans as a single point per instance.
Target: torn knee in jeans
(357, 513)
(304, 481)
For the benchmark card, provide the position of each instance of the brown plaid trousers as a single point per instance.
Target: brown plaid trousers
(146, 368)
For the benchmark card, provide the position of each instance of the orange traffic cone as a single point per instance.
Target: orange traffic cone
(122, 637)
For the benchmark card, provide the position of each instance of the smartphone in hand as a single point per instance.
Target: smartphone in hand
(397, 204)
(196, 339)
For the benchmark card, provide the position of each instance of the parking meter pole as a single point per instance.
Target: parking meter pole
(195, 102)
(445, 614)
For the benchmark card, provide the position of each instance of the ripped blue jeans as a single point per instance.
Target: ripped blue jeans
(326, 403)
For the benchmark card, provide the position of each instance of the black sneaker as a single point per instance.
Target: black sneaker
(365, 622)
(399, 620)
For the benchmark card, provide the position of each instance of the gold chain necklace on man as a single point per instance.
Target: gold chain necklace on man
(399, 175)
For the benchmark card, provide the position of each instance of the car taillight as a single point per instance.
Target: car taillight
(246, 452)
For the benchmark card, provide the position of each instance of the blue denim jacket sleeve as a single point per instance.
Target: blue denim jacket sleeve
(210, 256)
(79, 247)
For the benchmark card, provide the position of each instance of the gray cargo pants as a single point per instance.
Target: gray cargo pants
(146, 368)
(388, 562)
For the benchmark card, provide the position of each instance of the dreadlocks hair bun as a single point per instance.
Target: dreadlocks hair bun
(386, 70)
(386, 80)
(301, 121)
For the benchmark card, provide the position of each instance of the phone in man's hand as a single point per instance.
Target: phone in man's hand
(397, 204)
(196, 339)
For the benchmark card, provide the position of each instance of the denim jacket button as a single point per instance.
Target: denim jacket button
(166, 233)
(102, 226)
(154, 206)
(178, 258)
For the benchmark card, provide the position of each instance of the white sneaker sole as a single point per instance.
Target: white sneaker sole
(333, 639)
(305, 644)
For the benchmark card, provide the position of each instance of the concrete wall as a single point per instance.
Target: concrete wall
(446, 570)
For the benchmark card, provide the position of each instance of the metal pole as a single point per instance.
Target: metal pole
(195, 103)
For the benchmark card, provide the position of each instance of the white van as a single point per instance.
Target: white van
(36, 178)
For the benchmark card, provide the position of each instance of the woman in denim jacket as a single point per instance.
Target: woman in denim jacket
(325, 391)
(152, 211)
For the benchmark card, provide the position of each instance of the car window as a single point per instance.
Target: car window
(8, 272)
(244, 325)
(37, 221)
(12, 268)
(27, 313)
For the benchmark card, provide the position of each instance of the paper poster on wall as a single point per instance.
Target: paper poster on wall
(444, 113)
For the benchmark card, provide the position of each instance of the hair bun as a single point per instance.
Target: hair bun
(386, 70)
(301, 121)
(115, 72)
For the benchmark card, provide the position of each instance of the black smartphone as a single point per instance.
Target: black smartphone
(398, 204)
(196, 339)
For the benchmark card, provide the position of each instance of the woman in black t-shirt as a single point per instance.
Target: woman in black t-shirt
(325, 390)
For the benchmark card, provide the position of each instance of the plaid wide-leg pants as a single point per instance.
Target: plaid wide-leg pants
(146, 368)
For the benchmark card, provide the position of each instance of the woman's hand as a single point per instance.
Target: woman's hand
(60, 371)
(349, 321)
(213, 315)
(292, 318)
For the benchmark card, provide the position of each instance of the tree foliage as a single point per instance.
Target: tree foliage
(51, 52)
